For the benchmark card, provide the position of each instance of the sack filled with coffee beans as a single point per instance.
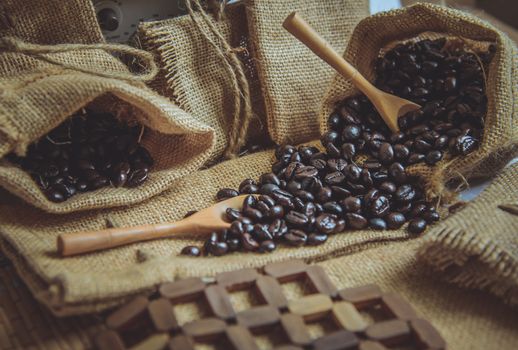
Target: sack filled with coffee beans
(460, 69)
(207, 70)
(50, 149)
(293, 80)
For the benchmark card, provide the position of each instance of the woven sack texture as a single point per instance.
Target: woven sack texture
(378, 32)
(95, 281)
(466, 319)
(293, 79)
(194, 75)
(37, 95)
(478, 246)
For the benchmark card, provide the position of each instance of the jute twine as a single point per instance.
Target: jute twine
(17, 45)
(242, 103)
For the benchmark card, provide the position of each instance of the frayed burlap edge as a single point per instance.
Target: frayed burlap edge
(471, 260)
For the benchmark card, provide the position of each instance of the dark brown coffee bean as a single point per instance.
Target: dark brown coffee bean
(237, 228)
(332, 150)
(405, 193)
(372, 164)
(431, 216)
(415, 158)
(248, 243)
(397, 173)
(326, 224)
(336, 164)
(295, 237)
(386, 153)
(233, 214)
(417, 225)
(316, 239)
(269, 178)
(249, 189)
(226, 193)
(463, 145)
(348, 151)
(305, 171)
(261, 233)
(135, 179)
(245, 183)
(334, 178)
(377, 224)
(395, 220)
(353, 172)
(253, 214)
(296, 219)
(267, 246)
(388, 187)
(351, 132)
(340, 192)
(401, 152)
(351, 204)
(379, 206)
(278, 228)
(191, 250)
(433, 157)
(217, 248)
(276, 212)
(55, 196)
(330, 136)
(356, 221)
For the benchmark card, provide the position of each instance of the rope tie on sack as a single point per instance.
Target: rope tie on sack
(16, 45)
(232, 64)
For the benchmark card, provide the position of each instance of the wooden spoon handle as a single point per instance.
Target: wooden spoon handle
(300, 29)
(84, 242)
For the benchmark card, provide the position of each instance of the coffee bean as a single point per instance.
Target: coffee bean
(191, 251)
(405, 193)
(305, 171)
(233, 214)
(351, 204)
(395, 220)
(278, 228)
(237, 228)
(388, 187)
(463, 145)
(356, 221)
(433, 157)
(386, 153)
(276, 212)
(401, 152)
(431, 216)
(353, 172)
(316, 239)
(269, 178)
(348, 151)
(295, 237)
(248, 243)
(336, 164)
(379, 206)
(377, 224)
(55, 195)
(217, 248)
(415, 158)
(296, 219)
(340, 192)
(417, 225)
(335, 178)
(325, 223)
(261, 233)
(267, 246)
(351, 132)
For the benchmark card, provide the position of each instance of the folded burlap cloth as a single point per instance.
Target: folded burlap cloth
(478, 246)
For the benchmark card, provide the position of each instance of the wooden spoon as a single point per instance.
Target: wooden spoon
(390, 107)
(205, 221)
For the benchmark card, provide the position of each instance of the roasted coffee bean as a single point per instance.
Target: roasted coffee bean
(325, 223)
(295, 237)
(395, 220)
(248, 243)
(316, 239)
(388, 187)
(296, 219)
(278, 228)
(348, 151)
(332, 150)
(401, 152)
(335, 178)
(329, 137)
(379, 206)
(417, 225)
(267, 246)
(397, 173)
(305, 196)
(353, 172)
(191, 250)
(356, 221)
(332, 208)
(136, 178)
(386, 153)
(237, 228)
(55, 195)
(377, 224)
(276, 212)
(261, 233)
(305, 171)
(415, 158)
(217, 248)
(233, 214)
(463, 145)
(372, 164)
(405, 193)
(431, 216)
(336, 164)
(226, 193)
(351, 132)
(340, 192)
(433, 157)
(234, 244)
(351, 204)
(269, 178)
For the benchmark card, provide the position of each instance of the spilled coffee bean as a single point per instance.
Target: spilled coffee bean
(86, 152)
(360, 179)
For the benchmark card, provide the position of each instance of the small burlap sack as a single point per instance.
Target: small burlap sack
(466, 319)
(381, 31)
(478, 246)
(293, 80)
(207, 71)
(44, 79)
(93, 282)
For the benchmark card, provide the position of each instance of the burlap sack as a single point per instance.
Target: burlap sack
(206, 69)
(95, 281)
(384, 30)
(478, 247)
(466, 319)
(293, 80)
(41, 85)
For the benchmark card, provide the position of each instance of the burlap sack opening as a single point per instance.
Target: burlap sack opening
(41, 85)
(195, 75)
(379, 32)
(293, 80)
(93, 282)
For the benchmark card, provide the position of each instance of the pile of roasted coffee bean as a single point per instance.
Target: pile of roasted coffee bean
(360, 180)
(86, 152)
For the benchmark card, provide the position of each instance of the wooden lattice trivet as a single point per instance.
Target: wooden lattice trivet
(362, 318)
